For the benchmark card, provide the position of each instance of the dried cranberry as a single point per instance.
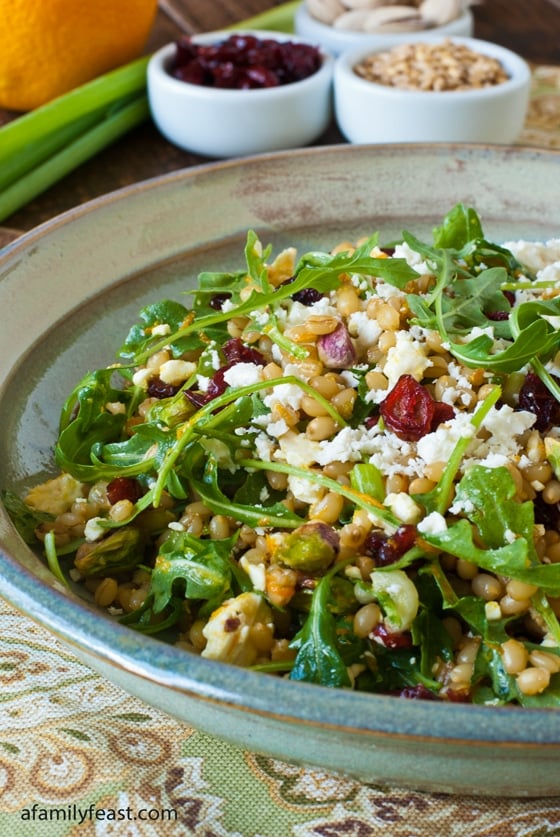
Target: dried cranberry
(307, 296)
(391, 639)
(535, 397)
(237, 352)
(159, 389)
(410, 411)
(548, 514)
(197, 398)
(386, 549)
(458, 695)
(216, 386)
(231, 624)
(244, 62)
(497, 316)
(418, 692)
(123, 488)
(442, 412)
(217, 301)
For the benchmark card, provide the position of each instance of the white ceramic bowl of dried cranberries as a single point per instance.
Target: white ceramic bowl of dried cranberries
(435, 90)
(339, 25)
(231, 94)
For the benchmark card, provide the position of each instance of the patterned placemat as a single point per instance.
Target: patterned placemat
(81, 758)
(542, 126)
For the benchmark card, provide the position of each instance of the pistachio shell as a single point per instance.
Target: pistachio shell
(393, 19)
(370, 4)
(325, 10)
(439, 12)
(352, 21)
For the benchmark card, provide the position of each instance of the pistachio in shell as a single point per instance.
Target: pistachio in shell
(311, 548)
(120, 551)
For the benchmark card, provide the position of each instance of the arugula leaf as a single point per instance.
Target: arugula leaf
(210, 493)
(120, 551)
(490, 493)
(460, 226)
(142, 619)
(439, 498)
(24, 518)
(367, 479)
(318, 659)
(211, 284)
(512, 560)
(537, 340)
(202, 569)
(141, 335)
(489, 669)
(466, 305)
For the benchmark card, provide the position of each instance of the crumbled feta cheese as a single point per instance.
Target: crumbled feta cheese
(305, 490)
(438, 446)
(215, 359)
(255, 571)
(536, 255)
(364, 329)
(413, 259)
(505, 422)
(277, 428)
(289, 395)
(296, 449)
(161, 330)
(509, 536)
(406, 357)
(298, 313)
(403, 506)
(433, 524)
(386, 291)
(93, 530)
(465, 506)
(264, 447)
(243, 374)
(347, 445)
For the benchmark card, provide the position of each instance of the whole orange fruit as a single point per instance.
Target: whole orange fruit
(48, 47)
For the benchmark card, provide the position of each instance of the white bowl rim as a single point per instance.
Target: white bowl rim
(516, 66)
(157, 71)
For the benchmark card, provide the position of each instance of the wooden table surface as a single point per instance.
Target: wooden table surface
(530, 28)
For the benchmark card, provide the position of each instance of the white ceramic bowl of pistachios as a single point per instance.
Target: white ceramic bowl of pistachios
(339, 25)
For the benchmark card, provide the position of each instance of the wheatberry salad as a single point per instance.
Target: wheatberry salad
(338, 467)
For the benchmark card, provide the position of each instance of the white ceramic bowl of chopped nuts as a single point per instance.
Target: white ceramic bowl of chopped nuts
(435, 90)
(339, 25)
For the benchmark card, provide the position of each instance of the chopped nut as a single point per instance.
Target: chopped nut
(437, 67)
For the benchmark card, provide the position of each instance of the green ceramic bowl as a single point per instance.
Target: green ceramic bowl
(69, 290)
